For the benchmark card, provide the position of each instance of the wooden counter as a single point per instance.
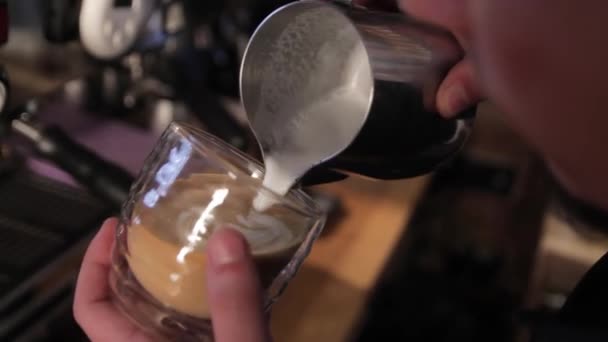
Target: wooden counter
(325, 300)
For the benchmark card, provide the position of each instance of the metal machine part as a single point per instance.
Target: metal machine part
(105, 179)
(181, 51)
(102, 177)
(111, 28)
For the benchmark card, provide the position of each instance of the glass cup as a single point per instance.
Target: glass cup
(191, 185)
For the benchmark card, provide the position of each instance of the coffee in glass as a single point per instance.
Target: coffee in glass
(192, 185)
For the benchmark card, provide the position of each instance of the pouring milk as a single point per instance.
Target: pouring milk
(304, 116)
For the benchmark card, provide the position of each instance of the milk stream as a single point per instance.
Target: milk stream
(280, 177)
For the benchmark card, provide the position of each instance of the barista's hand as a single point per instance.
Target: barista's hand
(460, 89)
(233, 289)
(93, 308)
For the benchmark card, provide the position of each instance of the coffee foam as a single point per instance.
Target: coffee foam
(166, 243)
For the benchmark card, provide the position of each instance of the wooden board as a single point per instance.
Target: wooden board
(325, 300)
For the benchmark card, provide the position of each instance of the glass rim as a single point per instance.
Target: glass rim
(296, 199)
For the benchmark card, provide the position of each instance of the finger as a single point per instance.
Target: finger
(93, 309)
(234, 290)
(459, 91)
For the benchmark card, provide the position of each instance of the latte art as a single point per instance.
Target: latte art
(166, 243)
(275, 237)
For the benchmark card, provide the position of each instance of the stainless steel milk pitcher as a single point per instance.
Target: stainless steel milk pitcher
(395, 132)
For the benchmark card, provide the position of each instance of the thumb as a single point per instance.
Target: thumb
(459, 90)
(234, 290)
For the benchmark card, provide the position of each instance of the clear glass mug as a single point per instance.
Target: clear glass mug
(193, 184)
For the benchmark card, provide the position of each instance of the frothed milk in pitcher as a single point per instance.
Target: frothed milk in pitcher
(302, 131)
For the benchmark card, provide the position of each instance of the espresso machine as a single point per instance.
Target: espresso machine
(142, 64)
